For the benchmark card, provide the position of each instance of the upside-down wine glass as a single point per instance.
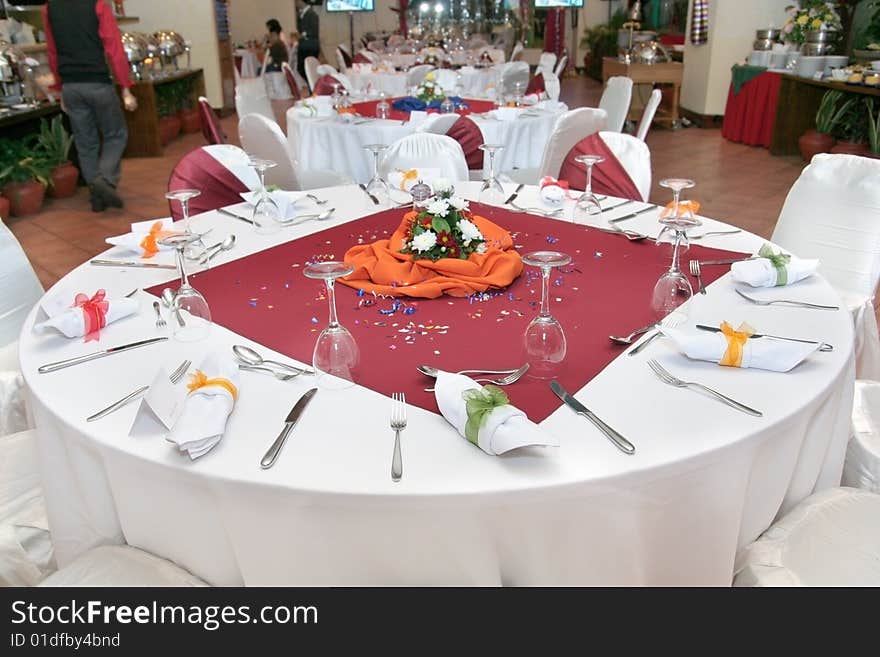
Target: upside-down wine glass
(336, 355)
(673, 288)
(383, 108)
(377, 186)
(334, 97)
(491, 193)
(447, 106)
(587, 205)
(519, 87)
(194, 248)
(544, 340)
(267, 215)
(191, 316)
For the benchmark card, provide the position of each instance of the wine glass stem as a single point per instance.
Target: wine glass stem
(181, 265)
(263, 193)
(184, 208)
(676, 193)
(545, 292)
(492, 165)
(673, 268)
(376, 165)
(589, 188)
(331, 300)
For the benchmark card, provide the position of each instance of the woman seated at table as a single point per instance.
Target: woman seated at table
(278, 52)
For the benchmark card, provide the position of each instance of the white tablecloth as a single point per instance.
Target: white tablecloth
(475, 82)
(705, 480)
(331, 143)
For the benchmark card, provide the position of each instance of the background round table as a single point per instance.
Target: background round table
(704, 482)
(476, 82)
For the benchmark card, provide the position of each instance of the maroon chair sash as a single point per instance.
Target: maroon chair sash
(361, 59)
(291, 82)
(345, 57)
(468, 135)
(609, 176)
(536, 85)
(210, 125)
(324, 85)
(199, 170)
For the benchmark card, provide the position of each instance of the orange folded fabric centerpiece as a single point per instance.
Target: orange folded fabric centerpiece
(381, 268)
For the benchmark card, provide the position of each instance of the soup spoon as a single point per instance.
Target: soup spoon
(248, 356)
(213, 251)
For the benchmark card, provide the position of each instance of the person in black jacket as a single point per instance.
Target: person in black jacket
(308, 26)
(277, 48)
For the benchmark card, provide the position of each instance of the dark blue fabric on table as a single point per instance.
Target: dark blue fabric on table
(412, 104)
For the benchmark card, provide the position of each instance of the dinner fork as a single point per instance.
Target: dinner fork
(670, 321)
(768, 302)
(281, 376)
(398, 424)
(672, 380)
(160, 322)
(713, 232)
(174, 377)
(316, 199)
(696, 273)
(546, 213)
(503, 381)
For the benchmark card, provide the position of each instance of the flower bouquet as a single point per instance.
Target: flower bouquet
(444, 229)
(429, 90)
(807, 15)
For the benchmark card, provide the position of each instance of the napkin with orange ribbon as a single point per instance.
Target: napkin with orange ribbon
(404, 179)
(381, 268)
(145, 236)
(734, 347)
(88, 315)
(213, 391)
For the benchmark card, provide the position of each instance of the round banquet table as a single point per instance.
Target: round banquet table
(704, 482)
(476, 82)
(331, 143)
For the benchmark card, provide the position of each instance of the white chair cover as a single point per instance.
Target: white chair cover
(251, 98)
(446, 78)
(26, 554)
(276, 86)
(634, 156)
(551, 85)
(546, 62)
(121, 565)
(423, 149)
(237, 161)
(369, 54)
(437, 124)
(325, 69)
(343, 79)
(511, 73)
(560, 66)
(20, 285)
(861, 468)
(518, 48)
(569, 129)
(340, 60)
(830, 539)
(615, 100)
(831, 213)
(417, 73)
(311, 65)
(648, 114)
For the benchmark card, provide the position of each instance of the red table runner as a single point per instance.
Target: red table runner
(605, 290)
(368, 108)
(749, 115)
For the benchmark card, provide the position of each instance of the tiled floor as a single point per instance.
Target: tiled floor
(742, 185)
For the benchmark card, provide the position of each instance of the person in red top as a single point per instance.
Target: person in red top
(81, 37)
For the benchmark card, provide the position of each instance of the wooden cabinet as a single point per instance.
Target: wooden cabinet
(670, 73)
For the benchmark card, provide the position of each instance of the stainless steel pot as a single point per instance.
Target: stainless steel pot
(821, 36)
(817, 49)
(772, 34)
(763, 44)
(135, 47)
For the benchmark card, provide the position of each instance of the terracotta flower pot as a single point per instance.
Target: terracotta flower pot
(63, 180)
(169, 128)
(4, 208)
(812, 142)
(852, 148)
(190, 121)
(24, 198)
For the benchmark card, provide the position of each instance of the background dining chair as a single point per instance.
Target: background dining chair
(325, 69)
(469, 137)
(511, 73)
(251, 98)
(560, 66)
(546, 62)
(648, 114)
(447, 79)
(517, 52)
(496, 54)
(220, 172)
(422, 149)
(569, 129)
(365, 57)
(861, 466)
(634, 156)
(264, 139)
(437, 124)
(311, 65)
(417, 74)
(343, 57)
(831, 214)
(344, 80)
(292, 83)
(615, 101)
(211, 129)
(551, 86)
(832, 538)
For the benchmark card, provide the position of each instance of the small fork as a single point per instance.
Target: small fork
(513, 377)
(174, 377)
(398, 424)
(672, 380)
(696, 273)
(160, 322)
(316, 199)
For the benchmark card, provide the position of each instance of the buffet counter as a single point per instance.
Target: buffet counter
(15, 123)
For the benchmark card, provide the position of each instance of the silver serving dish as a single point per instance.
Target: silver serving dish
(763, 44)
(11, 59)
(171, 45)
(820, 36)
(771, 34)
(817, 49)
(135, 47)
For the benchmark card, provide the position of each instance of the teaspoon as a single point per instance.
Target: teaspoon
(248, 356)
(214, 250)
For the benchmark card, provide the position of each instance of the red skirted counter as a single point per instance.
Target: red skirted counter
(751, 113)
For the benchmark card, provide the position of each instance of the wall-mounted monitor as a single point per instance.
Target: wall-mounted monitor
(550, 4)
(349, 5)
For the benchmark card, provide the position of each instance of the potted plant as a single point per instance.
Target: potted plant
(166, 105)
(852, 131)
(4, 208)
(810, 16)
(23, 174)
(820, 140)
(866, 45)
(601, 41)
(53, 144)
(190, 121)
(873, 118)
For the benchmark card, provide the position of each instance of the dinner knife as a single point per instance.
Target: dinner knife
(236, 216)
(512, 197)
(61, 364)
(292, 418)
(633, 214)
(823, 346)
(619, 441)
(372, 198)
(130, 263)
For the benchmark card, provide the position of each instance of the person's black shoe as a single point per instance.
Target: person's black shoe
(107, 192)
(97, 200)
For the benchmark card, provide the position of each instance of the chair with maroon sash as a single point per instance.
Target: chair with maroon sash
(324, 85)
(291, 80)
(210, 125)
(560, 65)
(468, 135)
(648, 114)
(437, 124)
(625, 171)
(220, 172)
(536, 84)
(343, 57)
(365, 57)
(546, 62)
(311, 65)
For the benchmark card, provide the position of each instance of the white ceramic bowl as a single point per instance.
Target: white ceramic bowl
(839, 74)
(808, 66)
(760, 58)
(876, 64)
(777, 59)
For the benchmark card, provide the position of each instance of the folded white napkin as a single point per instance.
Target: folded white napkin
(404, 179)
(314, 107)
(502, 429)
(758, 353)
(553, 195)
(284, 200)
(133, 241)
(206, 410)
(507, 113)
(763, 273)
(72, 321)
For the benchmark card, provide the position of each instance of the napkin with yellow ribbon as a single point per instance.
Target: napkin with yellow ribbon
(213, 391)
(772, 269)
(87, 315)
(145, 236)
(484, 416)
(404, 179)
(734, 347)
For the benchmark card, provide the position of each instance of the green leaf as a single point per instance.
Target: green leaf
(440, 225)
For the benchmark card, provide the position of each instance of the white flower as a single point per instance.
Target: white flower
(442, 185)
(425, 241)
(439, 208)
(469, 231)
(481, 247)
(459, 203)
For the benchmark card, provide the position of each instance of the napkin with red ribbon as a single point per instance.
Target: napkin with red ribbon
(145, 236)
(553, 191)
(88, 315)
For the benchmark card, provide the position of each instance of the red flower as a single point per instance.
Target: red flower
(445, 238)
(453, 251)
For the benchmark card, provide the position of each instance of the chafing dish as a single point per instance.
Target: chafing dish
(171, 46)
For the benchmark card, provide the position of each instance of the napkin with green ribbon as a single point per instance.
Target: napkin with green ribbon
(771, 269)
(484, 415)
